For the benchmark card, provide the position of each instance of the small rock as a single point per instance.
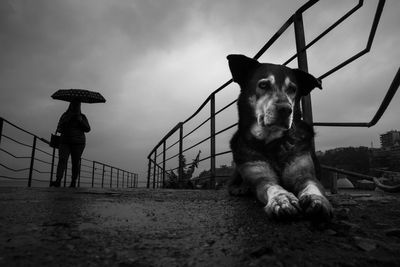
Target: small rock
(348, 203)
(381, 225)
(70, 247)
(342, 213)
(365, 244)
(393, 232)
(354, 195)
(210, 242)
(330, 232)
(74, 234)
(260, 251)
(86, 226)
(350, 226)
(344, 228)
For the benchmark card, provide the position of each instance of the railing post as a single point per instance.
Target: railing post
(180, 170)
(102, 177)
(334, 178)
(1, 128)
(52, 164)
(93, 173)
(136, 180)
(158, 177)
(148, 173)
(305, 100)
(154, 168)
(163, 165)
(117, 178)
(303, 65)
(65, 175)
(32, 161)
(123, 174)
(212, 140)
(111, 177)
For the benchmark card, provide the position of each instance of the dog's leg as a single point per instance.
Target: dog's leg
(237, 186)
(278, 202)
(299, 177)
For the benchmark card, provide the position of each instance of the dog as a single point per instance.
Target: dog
(272, 147)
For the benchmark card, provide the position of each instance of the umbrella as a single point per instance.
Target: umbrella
(80, 95)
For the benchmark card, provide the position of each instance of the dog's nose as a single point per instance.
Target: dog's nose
(284, 110)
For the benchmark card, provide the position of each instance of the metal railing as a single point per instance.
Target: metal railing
(38, 168)
(157, 158)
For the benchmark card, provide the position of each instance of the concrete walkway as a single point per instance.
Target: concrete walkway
(140, 227)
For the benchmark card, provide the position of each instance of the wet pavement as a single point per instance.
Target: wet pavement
(140, 227)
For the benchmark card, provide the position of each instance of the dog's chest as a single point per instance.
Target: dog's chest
(290, 144)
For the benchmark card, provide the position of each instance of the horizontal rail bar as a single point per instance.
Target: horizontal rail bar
(201, 141)
(171, 132)
(330, 28)
(381, 110)
(197, 127)
(17, 157)
(12, 139)
(19, 128)
(387, 188)
(13, 178)
(14, 170)
(371, 36)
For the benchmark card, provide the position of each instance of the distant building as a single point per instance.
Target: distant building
(390, 139)
(388, 156)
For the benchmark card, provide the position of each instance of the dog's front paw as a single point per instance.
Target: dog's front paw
(282, 206)
(316, 206)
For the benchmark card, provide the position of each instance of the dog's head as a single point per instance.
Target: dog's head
(269, 91)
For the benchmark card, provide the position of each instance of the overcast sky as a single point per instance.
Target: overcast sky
(156, 61)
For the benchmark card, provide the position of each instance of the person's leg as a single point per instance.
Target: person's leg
(76, 153)
(63, 155)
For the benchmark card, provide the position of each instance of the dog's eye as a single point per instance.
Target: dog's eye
(263, 84)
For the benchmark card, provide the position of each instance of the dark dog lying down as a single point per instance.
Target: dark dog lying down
(271, 148)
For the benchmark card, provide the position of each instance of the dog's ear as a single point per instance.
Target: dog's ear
(241, 66)
(306, 81)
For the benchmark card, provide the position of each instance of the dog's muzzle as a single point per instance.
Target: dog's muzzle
(284, 115)
(278, 114)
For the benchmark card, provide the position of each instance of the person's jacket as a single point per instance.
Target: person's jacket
(73, 128)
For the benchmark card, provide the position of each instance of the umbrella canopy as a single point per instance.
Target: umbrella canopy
(81, 95)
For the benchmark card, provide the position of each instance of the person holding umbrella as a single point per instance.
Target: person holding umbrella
(73, 125)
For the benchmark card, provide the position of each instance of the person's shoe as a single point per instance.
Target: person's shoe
(55, 184)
